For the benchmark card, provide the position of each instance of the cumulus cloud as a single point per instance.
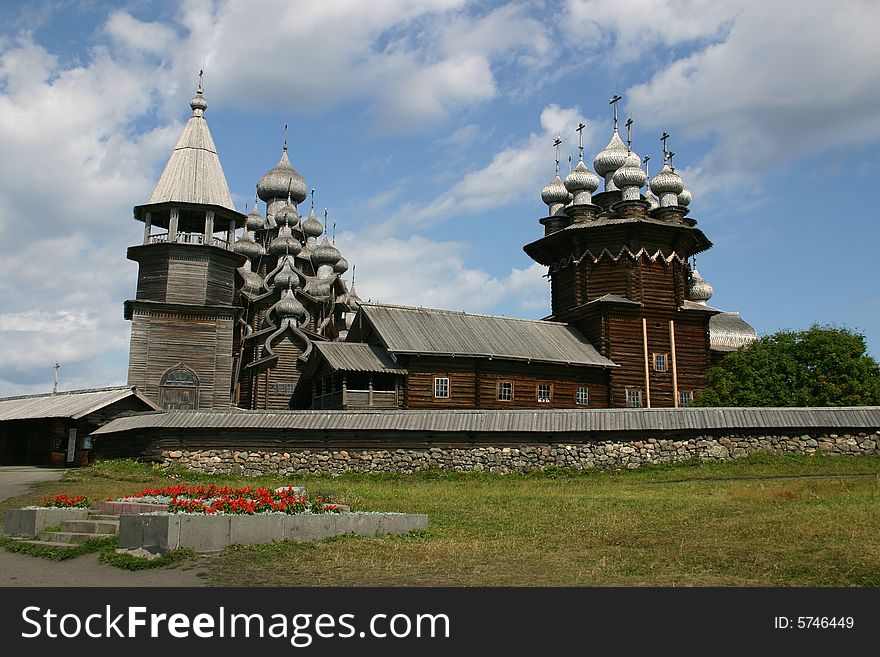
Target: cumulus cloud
(420, 272)
(514, 173)
(789, 79)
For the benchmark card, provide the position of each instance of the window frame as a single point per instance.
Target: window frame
(447, 390)
(498, 391)
(658, 356)
(586, 396)
(639, 397)
(685, 401)
(549, 396)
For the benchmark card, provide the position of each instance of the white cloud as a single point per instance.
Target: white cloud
(514, 173)
(421, 272)
(790, 79)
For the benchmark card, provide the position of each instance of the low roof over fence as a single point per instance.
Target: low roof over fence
(518, 421)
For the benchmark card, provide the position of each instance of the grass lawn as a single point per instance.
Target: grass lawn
(761, 521)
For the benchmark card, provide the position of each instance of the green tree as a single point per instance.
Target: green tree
(820, 366)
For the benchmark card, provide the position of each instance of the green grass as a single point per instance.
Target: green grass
(761, 521)
(59, 553)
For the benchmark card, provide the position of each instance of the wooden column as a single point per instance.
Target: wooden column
(647, 369)
(148, 226)
(674, 364)
(370, 391)
(172, 225)
(209, 228)
(230, 234)
(344, 392)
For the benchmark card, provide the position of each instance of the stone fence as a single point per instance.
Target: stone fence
(605, 454)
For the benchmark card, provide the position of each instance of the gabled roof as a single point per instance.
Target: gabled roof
(193, 173)
(357, 357)
(427, 331)
(74, 404)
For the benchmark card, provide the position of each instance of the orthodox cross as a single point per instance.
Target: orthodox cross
(629, 133)
(201, 73)
(669, 157)
(663, 138)
(285, 136)
(556, 143)
(334, 231)
(56, 367)
(645, 162)
(613, 101)
(313, 198)
(580, 131)
(325, 221)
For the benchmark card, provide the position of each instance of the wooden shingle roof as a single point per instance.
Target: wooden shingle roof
(73, 404)
(427, 331)
(357, 357)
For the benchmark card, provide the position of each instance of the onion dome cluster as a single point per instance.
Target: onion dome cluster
(311, 226)
(248, 247)
(287, 214)
(254, 220)
(284, 243)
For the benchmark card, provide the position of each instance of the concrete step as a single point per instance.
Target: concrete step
(60, 546)
(103, 516)
(70, 537)
(91, 526)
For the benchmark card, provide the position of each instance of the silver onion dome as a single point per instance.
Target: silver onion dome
(287, 277)
(198, 102)
(667, 185)
(685, 197)
(630, 178)
(341, 265)
(582, 182)
(555, 195)
(325, 254)
(254, 220)
(285, 243)
(699, 289)
(610, 159)
(288, 306)
(287, 214)
(246, 246)
(653, 203)
(311, 226)
(280, 179)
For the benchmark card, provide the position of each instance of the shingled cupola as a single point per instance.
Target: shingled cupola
(183, 313)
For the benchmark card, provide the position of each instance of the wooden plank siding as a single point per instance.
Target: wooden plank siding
(162, 339)
(473, 383)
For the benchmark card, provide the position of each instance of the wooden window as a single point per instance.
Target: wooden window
(633, 398)
(441, 387)
(545, 390)
(505, 391)
(660, 363)
(685, 398)
(582, 396)
(284, 388)
(179, 389)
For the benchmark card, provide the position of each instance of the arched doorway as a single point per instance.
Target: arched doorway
(179, 389)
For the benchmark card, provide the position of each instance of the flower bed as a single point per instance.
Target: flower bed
(65, 502)
(221, 500)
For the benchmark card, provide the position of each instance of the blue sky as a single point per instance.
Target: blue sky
(426, 129)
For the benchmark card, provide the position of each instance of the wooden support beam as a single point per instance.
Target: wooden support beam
(674, 363)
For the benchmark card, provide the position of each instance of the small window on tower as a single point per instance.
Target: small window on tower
(505, 391)
(441, 387)
(633, 398)
(544, 392)
(582, 396)
(284, 388)
(659, 362)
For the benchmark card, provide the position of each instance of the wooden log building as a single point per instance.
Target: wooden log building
(251, 311)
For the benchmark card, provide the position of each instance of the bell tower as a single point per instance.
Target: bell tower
(183, 313)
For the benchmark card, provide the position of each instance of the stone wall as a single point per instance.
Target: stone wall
(598, 454)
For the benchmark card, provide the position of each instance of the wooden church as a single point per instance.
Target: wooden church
(252, 311)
